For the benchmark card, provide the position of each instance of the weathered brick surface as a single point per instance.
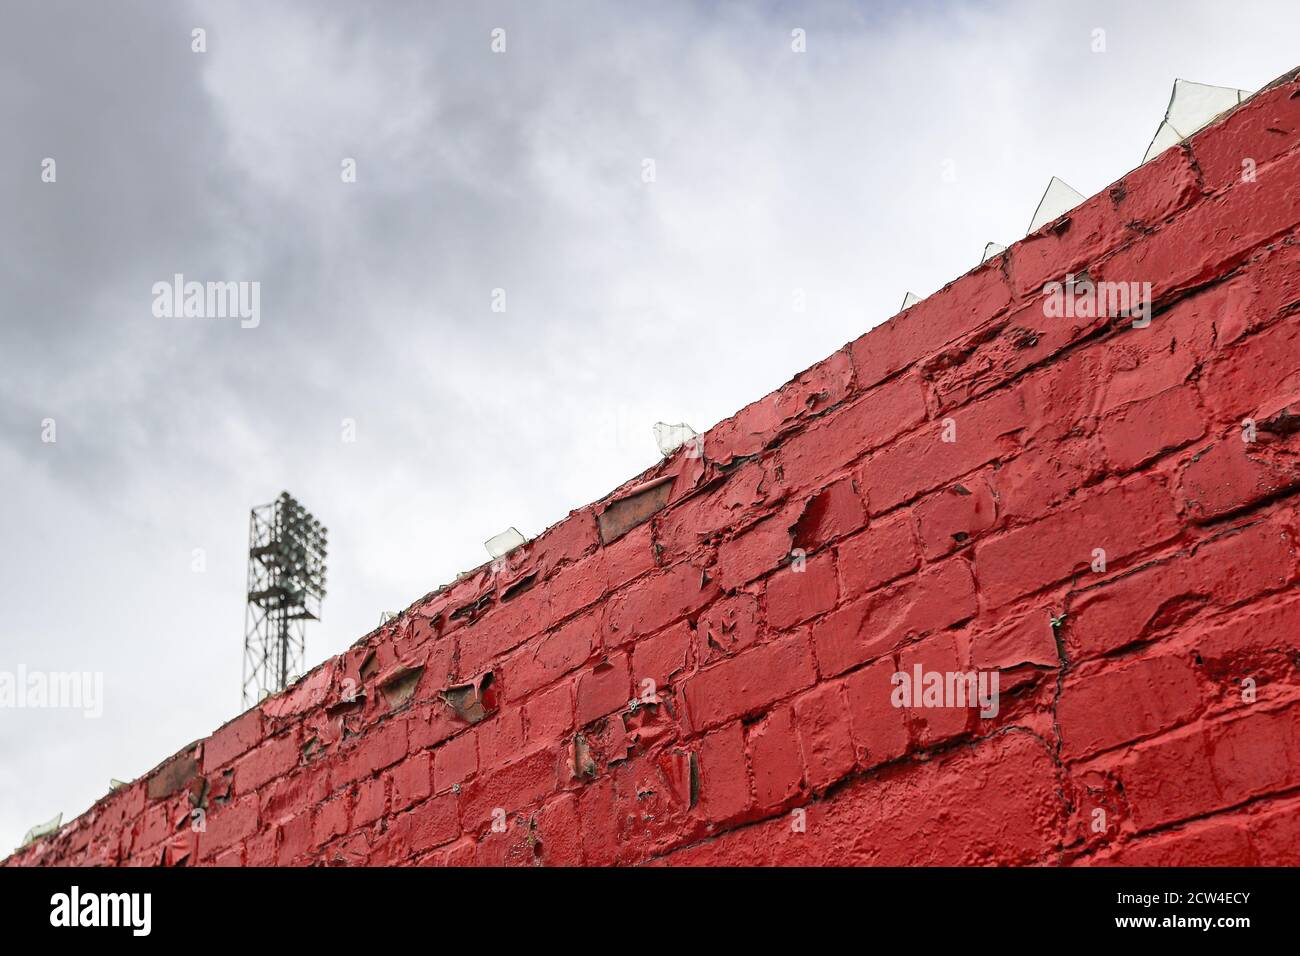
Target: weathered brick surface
(706, 667)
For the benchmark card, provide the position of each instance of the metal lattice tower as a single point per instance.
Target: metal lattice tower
(286, 583)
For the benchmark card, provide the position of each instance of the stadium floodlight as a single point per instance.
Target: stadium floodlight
(286, 584)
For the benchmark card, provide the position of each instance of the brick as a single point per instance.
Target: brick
(1220, 572)
(412, 780)
(432, 824)
(822, 718)
(943, 595)
(1036, 482)
(237, 737)
(954, 517)
(1262, 130)
(504, 627)
(1141, 431)
(742, 498)
(1256, 376)
(1024, 638)
(522, 783)
(951, 313)
(747, 683)
(548, 715)
(1276, 836)
(383, 746)
(831, 513)
(1001, 352)
(755, 552)
(885, 551)
(330, 820)
(551, 656)
(1121, 521)
(813, 391)
(502, 736)
(727, 628)
(1258, 641)
(229, 824)
(430, 724)
(1215, 844)
(1099, 710)
(879, 729)
(603, 689)
(371, 801)
(923, 461)
(846, 434)
(1231, 476)
(1256, 754)
(657, 600)
(661, 657)
(1113, 217)
(294, 839)
(1206, 767)
(724, 780)
(455, 761)
(1240, 219)
(932, 725)
(776, 759)
(272, 758)
(892, 821)
(796, 594)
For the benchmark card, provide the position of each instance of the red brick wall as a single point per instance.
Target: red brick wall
(755, 601)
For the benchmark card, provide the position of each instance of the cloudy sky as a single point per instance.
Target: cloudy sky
(878, 161)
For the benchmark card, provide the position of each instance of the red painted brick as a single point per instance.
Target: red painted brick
(1121, 521)
(237, 737)
(756, 551)
(747, 683)
(272, 758)
(520, 784)
(858, 632)
(603, 689)
(885, 551)
(954, 311)
(1231, 475)
(924, 461)
(412, 780)
(1138, 432)
(661, 657)
(724, 779)
(548, 715)
(1102, 708)
(229, 824)
(371, 801)
(822, 718)
(501, 736)
(847, 433)
(1221, 572)
(455, 761)
(879, 728)
(955, 516)
(776, 759)
(933, 725)
(1261, 130)
(657, 600)
(798, 593)
(542, 661)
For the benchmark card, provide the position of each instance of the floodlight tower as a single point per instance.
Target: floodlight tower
(286, 583)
